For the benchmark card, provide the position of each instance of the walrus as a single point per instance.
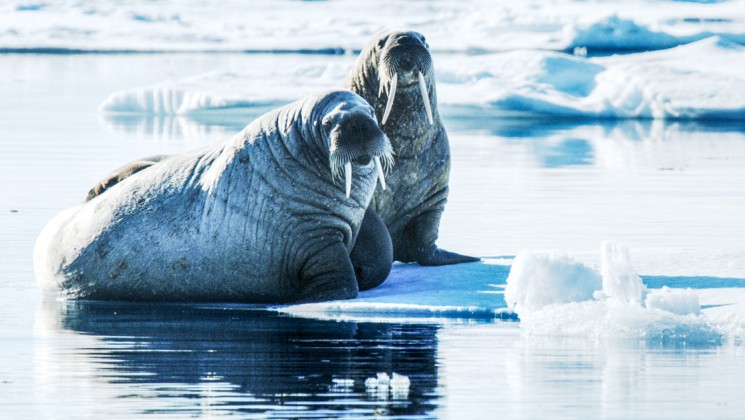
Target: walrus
(394, 73)
(269, 216)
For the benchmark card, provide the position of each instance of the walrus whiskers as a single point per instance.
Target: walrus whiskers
(341, 166)
(391, 95)
(425, 97)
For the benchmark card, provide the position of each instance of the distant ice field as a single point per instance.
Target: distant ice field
(500, 56)
(697, 81)
(346, 25)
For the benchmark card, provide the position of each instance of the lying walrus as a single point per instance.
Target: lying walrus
(394, 74)
(268, 216)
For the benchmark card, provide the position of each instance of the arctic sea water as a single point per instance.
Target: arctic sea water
(672, 191)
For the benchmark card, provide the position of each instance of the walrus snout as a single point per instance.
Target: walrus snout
(357, 139)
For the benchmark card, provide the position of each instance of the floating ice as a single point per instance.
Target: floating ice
(342, 382)
(616, 34)
(381, 380)
(383, 385)
(620, 281)
(556, 295)
(400, 382)
(696, 81)
(677, 301)
(538, 280)
(342, 385)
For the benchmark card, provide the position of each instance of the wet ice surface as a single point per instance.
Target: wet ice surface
(671, 191)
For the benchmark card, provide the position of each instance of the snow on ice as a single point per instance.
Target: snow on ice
(561, 302)
(669, 84)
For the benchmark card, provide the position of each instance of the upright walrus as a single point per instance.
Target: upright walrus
(268, 216)
(394, 73)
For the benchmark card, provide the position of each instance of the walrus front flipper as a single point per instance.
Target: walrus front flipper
(372, 255)
(328, 275)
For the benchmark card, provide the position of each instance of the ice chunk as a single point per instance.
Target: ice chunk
(620, 281)
(677, 301)
(343, 382)
(382, 380)
(382, 386)
(399, 382)
(540, 279)
(553, 295)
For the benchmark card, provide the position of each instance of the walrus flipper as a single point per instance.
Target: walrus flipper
(372, 255)
(439, 256)
(122, 173)
(420, 237)
(328, 275)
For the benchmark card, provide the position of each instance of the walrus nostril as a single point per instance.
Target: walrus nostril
(406, 64)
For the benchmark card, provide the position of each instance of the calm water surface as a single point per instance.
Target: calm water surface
(516, 184)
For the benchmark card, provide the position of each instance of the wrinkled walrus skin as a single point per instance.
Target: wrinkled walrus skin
(259, 218)
(413, 204)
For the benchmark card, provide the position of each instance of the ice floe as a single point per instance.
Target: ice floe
(694, 81)
(622, 308)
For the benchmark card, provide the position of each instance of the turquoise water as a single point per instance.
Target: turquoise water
(516, 183)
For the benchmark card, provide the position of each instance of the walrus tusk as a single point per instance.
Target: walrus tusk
(379, 167)
(391, 95)
(348, 177)
(425, 96)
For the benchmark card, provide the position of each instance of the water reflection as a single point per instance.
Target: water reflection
(174, 127)
(550, 143)
(504, 373)
(206, 358)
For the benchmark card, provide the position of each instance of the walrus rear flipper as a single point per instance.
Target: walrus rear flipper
(439, 256)
(123, 173)
(418, 242)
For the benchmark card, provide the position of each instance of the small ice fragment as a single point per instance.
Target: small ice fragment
(620, 280)
(400, 382)
(677, 301)
(382, 380)
(347, 383)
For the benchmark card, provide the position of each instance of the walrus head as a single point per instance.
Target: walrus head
(355, 139)
(404, 66)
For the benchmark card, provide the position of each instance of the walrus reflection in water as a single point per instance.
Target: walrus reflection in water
(271, 216)
(394, 73)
